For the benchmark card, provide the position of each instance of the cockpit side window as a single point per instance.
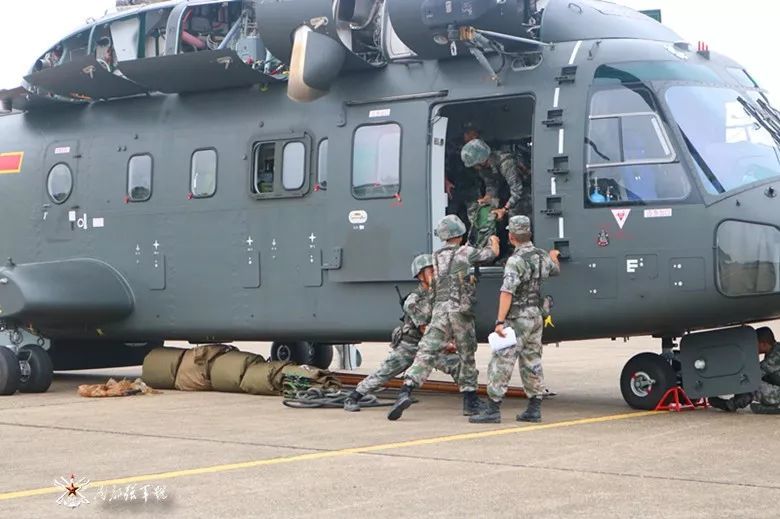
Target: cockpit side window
(630, 158)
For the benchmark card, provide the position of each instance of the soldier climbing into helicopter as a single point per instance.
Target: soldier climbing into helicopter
(494, 167)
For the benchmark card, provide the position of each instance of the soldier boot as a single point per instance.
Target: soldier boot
(724, 404)
(759, 408)
(472, 405)
(534, 411)
(490, 414)
(352, 403)
(401, 404)
(742, 400)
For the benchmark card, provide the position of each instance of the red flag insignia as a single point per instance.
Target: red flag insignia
(11, 162)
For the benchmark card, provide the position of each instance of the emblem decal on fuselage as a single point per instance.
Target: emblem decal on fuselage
(11, 162)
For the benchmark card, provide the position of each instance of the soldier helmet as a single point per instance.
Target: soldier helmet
(450, 227)
(420, 262)
(519, 225)
(474, 152)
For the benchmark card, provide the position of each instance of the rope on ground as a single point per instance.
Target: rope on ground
(314, 398)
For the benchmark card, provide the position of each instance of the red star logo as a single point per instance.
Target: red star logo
(72, 490)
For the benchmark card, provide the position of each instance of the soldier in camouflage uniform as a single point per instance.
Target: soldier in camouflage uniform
(452, 322)
(520, 307)
(496, 167)
(418, 307)
(766, 400)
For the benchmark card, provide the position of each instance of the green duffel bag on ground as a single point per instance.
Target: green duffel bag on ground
(300, 378)
(228, 370)
(195, 368)
(160, 367)
(263, 378)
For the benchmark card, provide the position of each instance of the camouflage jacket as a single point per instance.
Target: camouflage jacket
(454, 288)
(523, 275)
(418, 308)
(504, 169)
(771, 362)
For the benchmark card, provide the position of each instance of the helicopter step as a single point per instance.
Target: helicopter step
(713, 363)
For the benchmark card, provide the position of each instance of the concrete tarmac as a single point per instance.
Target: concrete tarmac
(194, 455)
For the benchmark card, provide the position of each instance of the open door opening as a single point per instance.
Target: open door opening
(476, 193)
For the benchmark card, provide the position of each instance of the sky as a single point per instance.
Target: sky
(746, 30)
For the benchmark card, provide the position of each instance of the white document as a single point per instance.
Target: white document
(498, 343)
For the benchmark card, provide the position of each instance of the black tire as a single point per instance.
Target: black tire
(298, 352)
(644, 368)
(41, 369)
(323, 355)
(10, 373)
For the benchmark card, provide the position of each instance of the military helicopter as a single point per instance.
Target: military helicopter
(167, 173)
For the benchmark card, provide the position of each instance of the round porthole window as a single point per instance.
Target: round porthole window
(60, 183)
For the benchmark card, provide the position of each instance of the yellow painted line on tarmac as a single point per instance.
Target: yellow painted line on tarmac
(332, 454)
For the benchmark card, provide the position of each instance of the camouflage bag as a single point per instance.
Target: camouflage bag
(483, 224)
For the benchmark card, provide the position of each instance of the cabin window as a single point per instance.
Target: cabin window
(630, 158)
(293, 165)
(376, 161)
(280, 168)
(322, 164)
(60, 183)
(139, 178)
(265, 161)
(748, 257)
(203, 173)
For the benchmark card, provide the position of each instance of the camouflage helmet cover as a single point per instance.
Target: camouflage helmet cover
(519, 225)
(420, 262)
(474, 152)
(450, 227)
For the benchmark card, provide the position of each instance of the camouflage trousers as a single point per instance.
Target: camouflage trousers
(446, 327)
(400, 358)
(483, 224)
(768, 394)
(528, 327)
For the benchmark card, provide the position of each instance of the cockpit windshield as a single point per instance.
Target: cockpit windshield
(733, 141)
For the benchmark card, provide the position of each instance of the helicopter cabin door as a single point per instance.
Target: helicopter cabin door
(379, 211)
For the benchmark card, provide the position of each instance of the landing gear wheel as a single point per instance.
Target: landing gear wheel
(645, 379)
(299, 352)
(37, 374)
(323, 355)
(303, 352)
(10, 373)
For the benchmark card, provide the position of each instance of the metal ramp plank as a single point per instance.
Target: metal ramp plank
(193, 72)
(84, 77)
